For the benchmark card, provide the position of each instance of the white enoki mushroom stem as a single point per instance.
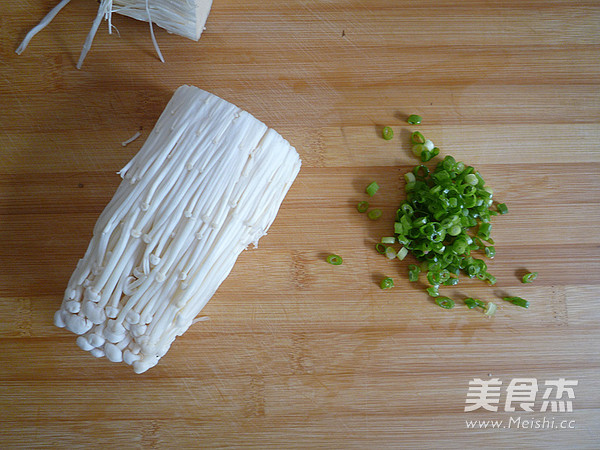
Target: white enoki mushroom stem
(209, 181)
(126, 142)
(180, 17)
(40, 26)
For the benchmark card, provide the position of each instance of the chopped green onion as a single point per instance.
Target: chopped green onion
(529, 277)
(398, 228)
(471, 179)
(425, 155)
(474, 303)
(490, 279)
(418, 149)
(402, 253)
(414, 119)
(470, 302)
(387, 133)
(445, 223)
(433, 291)
(490, 309)
(386, 283)
(452, 281)
(518, 301)
(484, 230)
(445, 302)
(362, 207)
(502, 208)
(388, 240)
(390, 253)
(417, 138)
(336, 260)
(480, 303)
(413, 272)
(374, 214)
(372, 188)
(380, 248)
(420, 172)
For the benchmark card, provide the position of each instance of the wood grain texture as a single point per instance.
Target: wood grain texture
(297, 353)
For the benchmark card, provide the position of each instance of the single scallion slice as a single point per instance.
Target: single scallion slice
(529, 277)
(386, 283)
(402, 253)
(517, 301)
(374, 214)
(480, 303)
(417, 138)
(387, 133)
(413, 272)
(390, 252)
(490, 309)
(388, 240)
(380, 248)
(470, 302)
(414, 119)
(335, 260)
(362, 207)
(433, 291)
(502, 208)
(418, 150)
(372, 188)
(444, 302)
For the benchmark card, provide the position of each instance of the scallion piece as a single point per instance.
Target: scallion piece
(413, 272)
(502, 208)
(362, 207)
(380, 248)
(471, 179)
(484, 230)
(433, 291)
(517, 301)
(388, 240)
(402, 253)
(417, 138)
(387, 133)
(418, 149)
(386, 283)
(372, 188)
(444, 302)
(374, 214)
(452, 281)
(390, 252)
(490, 309)
(335, 260)
(414, 119)
(529, 277)
(480, 303)
(470, 302)
(425, 155)
(490, 279)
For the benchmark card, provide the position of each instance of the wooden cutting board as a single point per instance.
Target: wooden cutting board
(298, 353)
